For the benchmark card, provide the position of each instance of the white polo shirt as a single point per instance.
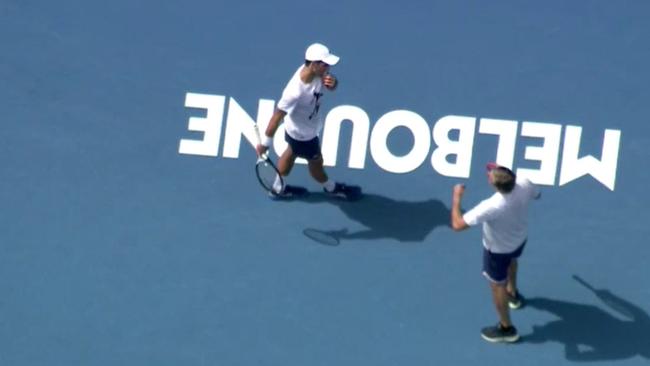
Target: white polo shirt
(504, 217)
(301, 101)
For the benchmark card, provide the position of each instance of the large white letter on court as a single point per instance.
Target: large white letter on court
(240, 123)
(360, 131)
(507, 132)
(210, 125)
(604, 170)
(378, 141)
(461, 148)
(547, 154)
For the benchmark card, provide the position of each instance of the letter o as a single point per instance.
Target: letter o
(421, 145)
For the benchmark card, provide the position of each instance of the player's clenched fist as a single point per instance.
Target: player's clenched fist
(330, 81)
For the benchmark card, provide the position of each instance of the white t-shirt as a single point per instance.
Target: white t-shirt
(504, 217)
(301, 102)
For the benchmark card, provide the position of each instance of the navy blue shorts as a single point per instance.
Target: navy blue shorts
(495, 265)
(309, 149)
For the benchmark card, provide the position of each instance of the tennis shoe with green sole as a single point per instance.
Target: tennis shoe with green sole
(515, 302)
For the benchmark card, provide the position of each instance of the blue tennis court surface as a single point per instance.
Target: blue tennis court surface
(118, 249)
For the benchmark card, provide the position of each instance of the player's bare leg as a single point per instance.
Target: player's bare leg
(500, 299)
(316, 170)
(511, 285)
(286, 161)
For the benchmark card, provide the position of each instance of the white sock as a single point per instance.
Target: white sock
(329, 185)
(277, 185)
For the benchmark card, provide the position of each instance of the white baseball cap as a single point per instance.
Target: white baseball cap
(318, 52)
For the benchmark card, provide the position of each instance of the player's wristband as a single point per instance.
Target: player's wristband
(266, 141)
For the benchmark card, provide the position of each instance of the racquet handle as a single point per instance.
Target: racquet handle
(257, 134)
(265, 155)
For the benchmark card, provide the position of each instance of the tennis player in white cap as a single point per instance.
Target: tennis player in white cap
(299, 108)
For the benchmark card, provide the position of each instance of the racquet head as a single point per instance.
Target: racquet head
(267, 173)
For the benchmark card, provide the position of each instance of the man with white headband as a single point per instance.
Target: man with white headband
(299, 108)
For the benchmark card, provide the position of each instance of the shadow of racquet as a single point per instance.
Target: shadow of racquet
(329, 238)
(381, 218)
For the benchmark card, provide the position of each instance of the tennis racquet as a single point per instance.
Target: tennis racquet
(265, 170)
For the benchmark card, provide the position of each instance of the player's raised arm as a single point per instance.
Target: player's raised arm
(457, 221)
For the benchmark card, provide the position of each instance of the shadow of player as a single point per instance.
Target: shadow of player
(385, 217)
(590, 333)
